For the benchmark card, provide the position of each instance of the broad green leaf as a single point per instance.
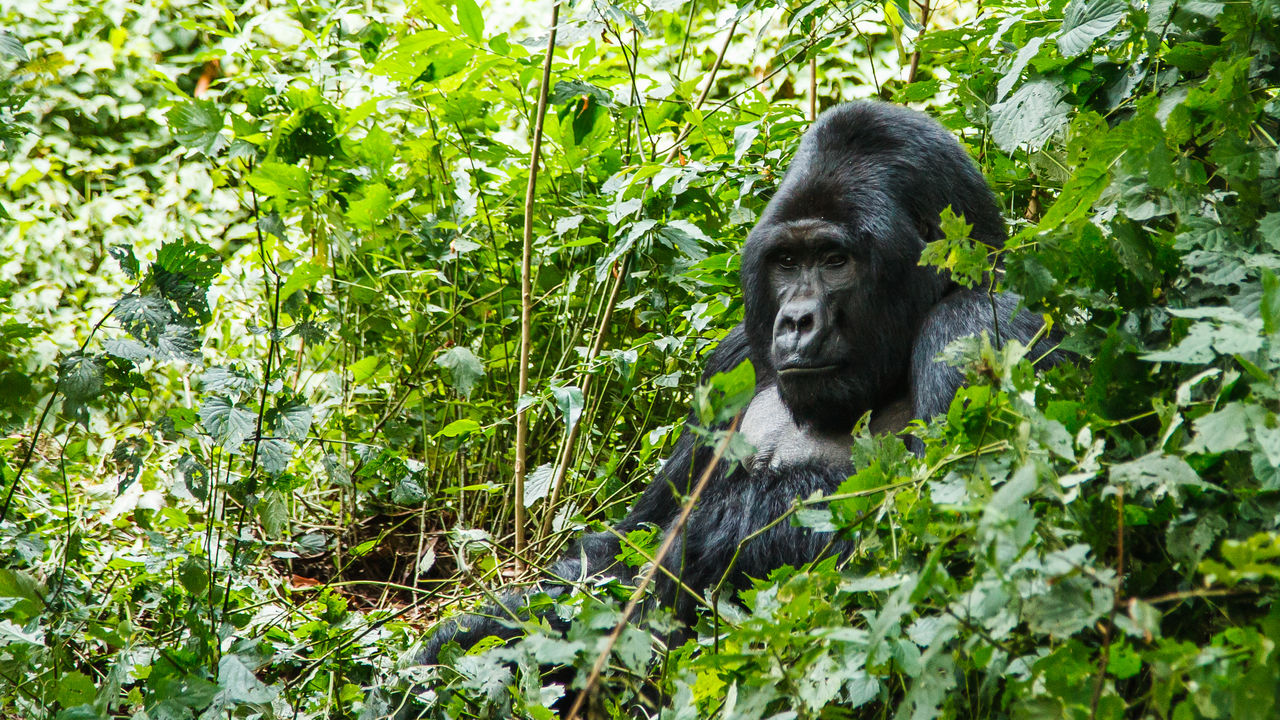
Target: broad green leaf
(1030, 116)
(228, 423)
(465, 368)
(1086, 21)
(287, 183)
(537, 484)
(304, 276)
(464, 426)
(238, 684)
(198, 125)
(470, 19)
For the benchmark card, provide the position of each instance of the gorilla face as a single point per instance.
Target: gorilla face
(832, 310)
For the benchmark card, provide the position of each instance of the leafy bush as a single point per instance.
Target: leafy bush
(261, 321)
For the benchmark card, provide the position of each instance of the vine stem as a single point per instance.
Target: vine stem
(526, 288)
(676, 531)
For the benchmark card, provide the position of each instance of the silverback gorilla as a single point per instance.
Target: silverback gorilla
(840, 320)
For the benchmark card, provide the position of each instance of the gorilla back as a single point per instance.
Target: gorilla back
(840, 321)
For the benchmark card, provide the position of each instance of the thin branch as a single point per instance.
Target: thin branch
(526, 284)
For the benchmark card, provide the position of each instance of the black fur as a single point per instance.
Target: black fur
(865, 192)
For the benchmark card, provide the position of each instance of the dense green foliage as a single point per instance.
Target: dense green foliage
(260, 319)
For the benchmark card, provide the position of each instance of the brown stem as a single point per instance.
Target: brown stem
(915, 56)
(526, 286)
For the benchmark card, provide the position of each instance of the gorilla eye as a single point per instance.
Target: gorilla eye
(836, 260)
(786, 261)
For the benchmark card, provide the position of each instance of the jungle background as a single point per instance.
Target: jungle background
(262, 415)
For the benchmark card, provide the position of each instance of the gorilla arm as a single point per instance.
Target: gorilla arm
(960, 313)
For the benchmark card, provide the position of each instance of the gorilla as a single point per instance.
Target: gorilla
(841, 320)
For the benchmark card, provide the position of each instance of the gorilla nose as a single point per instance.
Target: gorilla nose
(798, 329)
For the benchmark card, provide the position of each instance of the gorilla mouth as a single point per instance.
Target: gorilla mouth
(800, 371)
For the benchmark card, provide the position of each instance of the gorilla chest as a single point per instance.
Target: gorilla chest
(780, 442)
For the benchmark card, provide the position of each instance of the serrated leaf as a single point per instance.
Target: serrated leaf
(537, 484)
(465, 369)
(1030, 117)
(80, 378)
(228, 423)
(274, 455)
(1014, 73)
(1157, 474)
(238, 684)
(1225, 429)
(226, 381)
(178, 342)
(198, 125)
(293, 420)
(1085, 21)
(130, 350)
(144, 317)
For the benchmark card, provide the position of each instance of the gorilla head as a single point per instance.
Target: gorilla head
(834, 291)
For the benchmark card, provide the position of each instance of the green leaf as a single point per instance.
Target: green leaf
(193, 573)
(287, 183)
(965, 259)
(1157, 475)
(74, 688)
(464, 367)
(237, 683)
(372, 208)
(465, 426)
(1086, 21)
(569, 401)
(537, 484)
(198, 125)
(304, 276)
(292, 419)
(1030, 117)
(470, 19)
(228, 423)
(1225, 430)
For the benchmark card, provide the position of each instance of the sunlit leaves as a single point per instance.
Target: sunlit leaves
(1030, 116)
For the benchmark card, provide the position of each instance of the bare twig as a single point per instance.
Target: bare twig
(925, 11)
(526, 284)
